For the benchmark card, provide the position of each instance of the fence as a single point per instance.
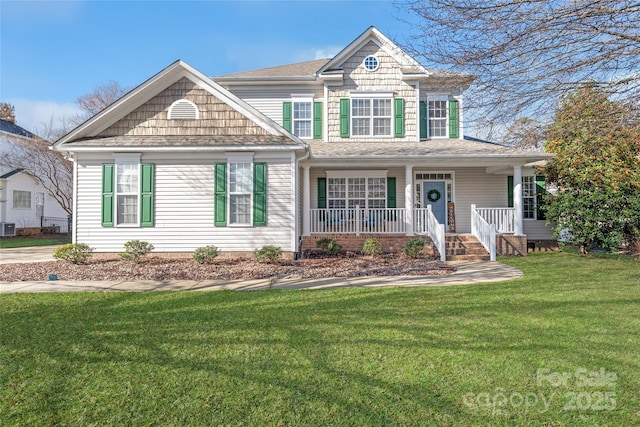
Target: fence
(55, 225)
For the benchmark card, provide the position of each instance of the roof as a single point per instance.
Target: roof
(13, 128)
(299, 69)
(185, 141)
(434, 148)
(11, 173)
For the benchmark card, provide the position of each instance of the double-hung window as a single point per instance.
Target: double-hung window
(302, 118)
(127, 191)
(437, 118)
(371, 116)
(529, 207)
(240, 192)
(240, 188)
(128, 188)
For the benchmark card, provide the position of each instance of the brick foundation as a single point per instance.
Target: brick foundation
(507, 244)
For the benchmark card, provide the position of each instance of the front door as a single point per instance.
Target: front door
(434, 194)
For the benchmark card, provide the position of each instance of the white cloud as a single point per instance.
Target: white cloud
(36, 115)
(327, 52)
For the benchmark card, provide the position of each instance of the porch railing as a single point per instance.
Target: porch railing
(436, 232)
(502, 218)
(483, 231)
(358, 221)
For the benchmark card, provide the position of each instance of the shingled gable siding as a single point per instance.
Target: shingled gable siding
(184, 203)
(216, 117)
(388, 77)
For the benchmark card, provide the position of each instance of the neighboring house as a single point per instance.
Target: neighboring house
(367, 143)
(23, 200)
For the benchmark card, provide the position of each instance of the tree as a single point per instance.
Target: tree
(100, 98)
(525, 133)
(527, 54)
(596, 169)
(49, 167)
(7, 112)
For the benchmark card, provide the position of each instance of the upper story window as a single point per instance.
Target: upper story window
(371, 116)
(438, 118)
(302, 118)
(371, 63)
(183, 109)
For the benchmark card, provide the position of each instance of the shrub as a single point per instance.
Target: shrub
(135, 249)
(330, 246)
(75, 253)
(413, 247)
(206, 255)
(268, 254)
(372, 247)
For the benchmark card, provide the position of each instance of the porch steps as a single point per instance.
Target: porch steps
(460, 247)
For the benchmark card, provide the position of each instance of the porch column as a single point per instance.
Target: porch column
(408, 199)
(306, 201)
(517, 201)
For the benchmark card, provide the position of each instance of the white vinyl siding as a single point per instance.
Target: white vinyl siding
(184, 207)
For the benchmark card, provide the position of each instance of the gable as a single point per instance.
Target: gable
(215, 118)
(388, 75)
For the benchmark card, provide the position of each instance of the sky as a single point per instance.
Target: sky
(52, 52)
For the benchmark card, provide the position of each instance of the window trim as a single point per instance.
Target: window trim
(533, 196)
(438, 98)
(239, 159)
(373, 57)
(297, 99)
(364, 174)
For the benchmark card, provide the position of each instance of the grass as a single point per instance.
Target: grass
(388, 356)
(23, 242)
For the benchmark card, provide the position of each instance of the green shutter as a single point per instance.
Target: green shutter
(345, 106)
(147, 171)
(391, 192)
(454, 119)
(424, 120)
(259, 194)
(220, 200)
(540, 194)
(399, 117)
(108, 178)
(317, 120)
(322, 193)
(510, 191)
(286, 115)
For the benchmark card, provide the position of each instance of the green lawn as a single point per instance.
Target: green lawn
(560, 346)
(23, 242)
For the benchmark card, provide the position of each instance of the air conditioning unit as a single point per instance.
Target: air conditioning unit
(7, 229)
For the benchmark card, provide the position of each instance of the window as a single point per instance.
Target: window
(371, 63)
(352, 192)
(371, 116)
(529, 197)
(128, 188)
(302, 117)
(240, 192)
(438, 118)
(21, 199)
(127, 193)
(240, 188)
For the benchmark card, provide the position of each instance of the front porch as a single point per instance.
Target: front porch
(492, 228)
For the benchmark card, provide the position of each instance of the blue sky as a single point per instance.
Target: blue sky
(51, 52)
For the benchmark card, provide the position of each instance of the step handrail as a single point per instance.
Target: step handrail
(484, 232)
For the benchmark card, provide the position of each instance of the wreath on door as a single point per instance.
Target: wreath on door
(433, 195)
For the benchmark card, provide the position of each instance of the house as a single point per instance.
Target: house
(367, 143)
(24, 203)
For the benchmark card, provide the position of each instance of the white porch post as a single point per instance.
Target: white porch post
(518, 226)
(306, 201)
(408, 199)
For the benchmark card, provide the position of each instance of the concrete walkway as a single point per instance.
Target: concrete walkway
(30, 254)
(469, 272)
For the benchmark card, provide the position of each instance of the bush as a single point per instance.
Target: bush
(75, 253)
(135, 249)
(372, 247)
(268, 254)
(330, 246)
(413, 247)
(206, 255)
